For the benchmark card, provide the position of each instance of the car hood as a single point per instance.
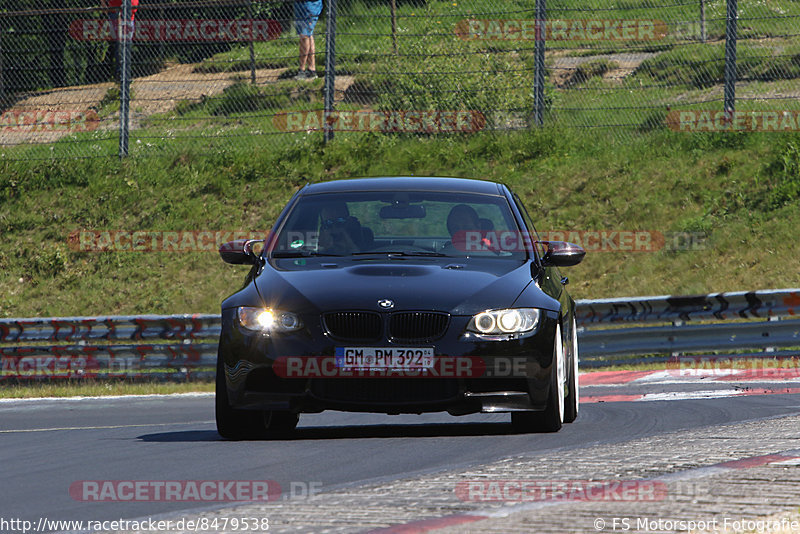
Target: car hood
(459, 288)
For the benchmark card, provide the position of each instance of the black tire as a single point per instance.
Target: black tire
(248, 424)
(552, 417)
(572, 400)
(233, 423)
(279, 424)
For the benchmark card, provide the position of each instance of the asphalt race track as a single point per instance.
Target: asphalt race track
(47, 445)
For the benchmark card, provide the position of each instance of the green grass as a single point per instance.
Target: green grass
(87, 388)
(222, 164)
(743, 190)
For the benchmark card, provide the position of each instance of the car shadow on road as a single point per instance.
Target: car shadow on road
(352, 432)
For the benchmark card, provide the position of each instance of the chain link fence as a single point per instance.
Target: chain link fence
(85, 78)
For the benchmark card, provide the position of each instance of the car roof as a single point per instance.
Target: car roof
(406, 183)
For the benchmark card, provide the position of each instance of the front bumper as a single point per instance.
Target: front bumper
(511, 375)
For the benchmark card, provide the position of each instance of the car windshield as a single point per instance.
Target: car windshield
(432, 224)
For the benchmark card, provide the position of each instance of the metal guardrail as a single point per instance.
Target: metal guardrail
(730, 323)
(93, 353)
(133, 327)
(691, 338)
(658, 327)
(711, 307)
(170, 361)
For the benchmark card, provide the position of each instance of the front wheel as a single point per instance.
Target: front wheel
(552, 417)
(247, 424)
(233, 423)
(572, 401)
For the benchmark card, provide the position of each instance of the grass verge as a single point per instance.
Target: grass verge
(87, 388)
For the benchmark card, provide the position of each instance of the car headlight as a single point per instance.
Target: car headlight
(505, 323)
(268, 320)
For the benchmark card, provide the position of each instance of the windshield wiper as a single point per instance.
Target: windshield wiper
(300, 254)
(429, 253)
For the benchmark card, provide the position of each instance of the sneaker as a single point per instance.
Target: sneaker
(301, 75)
(311, 75)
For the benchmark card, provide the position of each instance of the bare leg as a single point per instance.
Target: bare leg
(312, 57)
(305, 48)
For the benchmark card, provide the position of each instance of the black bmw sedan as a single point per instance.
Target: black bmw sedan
(399, 295)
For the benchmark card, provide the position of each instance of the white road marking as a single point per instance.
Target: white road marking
(13, 431)
(108, 397)
(688, 395)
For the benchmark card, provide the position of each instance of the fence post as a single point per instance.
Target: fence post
(394, 25)
(730, 58)
(2, 86)
(161, 16)
(252, 49)
(538, 68)
(124, 35)
(703, 34)
(330, 69)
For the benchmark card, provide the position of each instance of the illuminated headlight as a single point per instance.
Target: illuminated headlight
(264, 320)
(502, 322)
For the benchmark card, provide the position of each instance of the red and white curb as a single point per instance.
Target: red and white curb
(770, 382)
(686, 395)
(684, 376)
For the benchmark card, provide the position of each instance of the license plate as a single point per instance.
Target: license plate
(384, 357)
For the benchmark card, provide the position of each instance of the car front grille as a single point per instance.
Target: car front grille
(417, 327)
(403, 327)
(353, 325)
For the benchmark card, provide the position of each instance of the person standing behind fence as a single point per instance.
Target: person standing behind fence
(306, 14)
(113, 10)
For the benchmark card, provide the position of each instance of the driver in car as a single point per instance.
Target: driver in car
(339, 233)
(461, 220)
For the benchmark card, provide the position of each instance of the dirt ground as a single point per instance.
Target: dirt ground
(564, 67)
(74, 107)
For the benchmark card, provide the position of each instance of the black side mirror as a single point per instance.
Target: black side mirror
(562, 254)
(239, 252)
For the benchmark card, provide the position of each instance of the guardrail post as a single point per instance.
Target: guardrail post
(770, 319)
(330, 69)
(730, 58)
(538, 66)
(125, 36)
